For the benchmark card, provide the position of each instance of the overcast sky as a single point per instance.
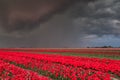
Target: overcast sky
(59, 23)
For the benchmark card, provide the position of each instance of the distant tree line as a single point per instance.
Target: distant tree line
(104, 47)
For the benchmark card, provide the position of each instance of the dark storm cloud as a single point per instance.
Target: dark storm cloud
(101, 17)
(57, 27)
(57, 32)
(24, 15)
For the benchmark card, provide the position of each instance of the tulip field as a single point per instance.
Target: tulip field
(59, 64)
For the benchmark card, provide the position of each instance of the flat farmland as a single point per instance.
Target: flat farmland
(60, 64)
(112, 53)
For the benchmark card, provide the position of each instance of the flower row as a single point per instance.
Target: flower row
(67, 67)
(85, 51)
(12, 72)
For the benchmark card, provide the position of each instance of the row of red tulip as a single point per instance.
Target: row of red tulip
(12, 72)
(87, 51)
(115, 51)
(66, 66)
(73, 60)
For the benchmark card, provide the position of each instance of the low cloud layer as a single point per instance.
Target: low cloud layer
(75, 26)
(25, 15)
(100, 17)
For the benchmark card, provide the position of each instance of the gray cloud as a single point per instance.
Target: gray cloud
(72, 27)
(25, 15)
(101, 17)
